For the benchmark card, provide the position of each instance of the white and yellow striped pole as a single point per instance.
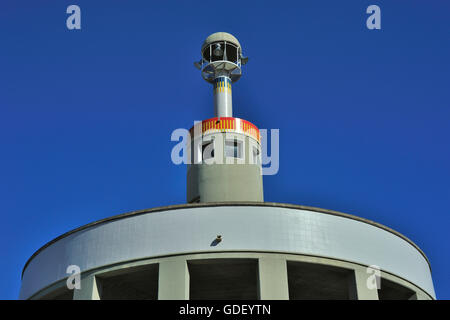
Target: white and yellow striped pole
(222, 97)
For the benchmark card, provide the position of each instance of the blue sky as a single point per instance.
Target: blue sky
(86, 116)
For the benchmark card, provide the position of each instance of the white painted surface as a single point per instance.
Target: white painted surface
(243, 228)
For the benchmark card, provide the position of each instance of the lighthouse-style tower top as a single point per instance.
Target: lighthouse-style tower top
(220, 65)
(221, 56)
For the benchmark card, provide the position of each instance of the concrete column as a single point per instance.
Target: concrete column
(173, 283)
(358, 288)
(272, 279)
(90, 289)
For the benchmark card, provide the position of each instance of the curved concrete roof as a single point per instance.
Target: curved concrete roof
(246, 227)
(216, 204)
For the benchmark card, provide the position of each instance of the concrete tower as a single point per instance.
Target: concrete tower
(226, 243)
(225, 151)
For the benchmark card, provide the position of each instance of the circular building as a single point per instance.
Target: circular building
(226, 242)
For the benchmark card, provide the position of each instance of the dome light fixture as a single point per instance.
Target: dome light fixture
(218, 51)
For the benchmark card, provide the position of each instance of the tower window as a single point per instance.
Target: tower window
(256, 158)
(233, 149)
(208, 150)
